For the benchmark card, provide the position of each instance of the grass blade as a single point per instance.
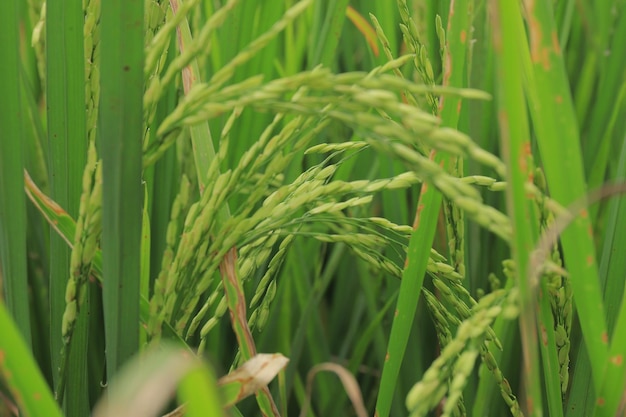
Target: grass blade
(558, 139)
(20, 372)
(121, 128)
(612, 393)
(68, 148)
(610, 74)
(515, 145)
(12, 201)
(611, 265)
(329, 18)
(426, 216)
(198, 389)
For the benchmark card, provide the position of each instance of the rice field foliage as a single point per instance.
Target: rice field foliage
(313, 207)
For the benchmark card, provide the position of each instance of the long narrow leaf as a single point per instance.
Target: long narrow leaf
(612, 393)
(426, 216)
(514, 132)
(68, 149)
(121, 123)
(21, 374)
(12, 202)
(558, 138)
(329, 17)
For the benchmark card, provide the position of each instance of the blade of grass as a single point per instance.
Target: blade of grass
(68, 149)
(164, 185)
(564, 12)
(121, 118)
(603, 161)
(199, 391)
(558, 139)
(549, 356)
(561, 222)
(427, 213)
(327, 24)
(610, 75)
(35, 137)
(425, 224)
(612, 267)
(612, 394)
(546, 320)
(516, 150)
(580, 401)
(12, 201)
(21, 374)
(144, 282)
(295, 41)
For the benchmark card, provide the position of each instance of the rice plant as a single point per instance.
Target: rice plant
(335, 207)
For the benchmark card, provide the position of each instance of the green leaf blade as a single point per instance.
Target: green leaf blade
(121, 128)
(12, 201)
